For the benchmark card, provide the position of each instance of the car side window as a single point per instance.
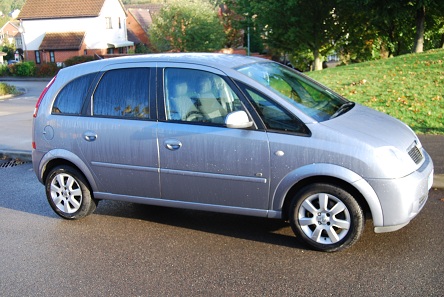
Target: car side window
(274, 116)
(70, 99)
(123, 93)
(198, 96)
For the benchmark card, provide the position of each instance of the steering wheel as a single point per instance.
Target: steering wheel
(194, 116)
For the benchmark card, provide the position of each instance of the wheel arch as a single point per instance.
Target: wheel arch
(327, 174)
(62, 157)
(324, 179)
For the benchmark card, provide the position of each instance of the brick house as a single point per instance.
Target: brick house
(10, 34)
(55, 30)
(139, 20)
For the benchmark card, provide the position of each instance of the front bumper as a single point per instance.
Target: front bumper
(403, 198)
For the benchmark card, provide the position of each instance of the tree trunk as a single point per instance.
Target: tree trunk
(317, 60)
(419, 38)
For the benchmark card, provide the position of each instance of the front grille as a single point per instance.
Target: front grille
(415, 154)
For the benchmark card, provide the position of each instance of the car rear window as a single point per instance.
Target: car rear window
(70, 99)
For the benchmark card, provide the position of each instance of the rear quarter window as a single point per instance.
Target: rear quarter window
(70, 99)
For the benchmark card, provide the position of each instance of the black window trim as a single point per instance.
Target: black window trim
(243, 86)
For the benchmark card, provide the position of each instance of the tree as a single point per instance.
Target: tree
(9, 50)
(233, 35)
(359, 29)
(429, 24)
(297, 25)
(418, 47)
(187, 26)
(405, 25)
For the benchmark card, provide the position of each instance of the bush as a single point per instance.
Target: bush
(47, 70)
(9, 50)
(22, 69)
(6, 89)
(3, 70)
(78, 60)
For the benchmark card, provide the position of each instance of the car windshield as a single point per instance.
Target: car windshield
(310, 97)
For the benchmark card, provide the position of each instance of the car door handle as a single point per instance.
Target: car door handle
(172, 144)
(89, 136)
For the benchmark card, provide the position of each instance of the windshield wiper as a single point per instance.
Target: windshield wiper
(344, 108)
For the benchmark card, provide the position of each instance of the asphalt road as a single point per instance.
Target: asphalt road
(126, 249)
(16, 116)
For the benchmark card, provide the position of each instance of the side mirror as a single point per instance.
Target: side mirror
(238, 120)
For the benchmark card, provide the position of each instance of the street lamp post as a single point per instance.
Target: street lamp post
(248, 40)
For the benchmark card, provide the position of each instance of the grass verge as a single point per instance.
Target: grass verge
(6, 89)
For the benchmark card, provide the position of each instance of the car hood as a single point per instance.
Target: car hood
(382, 142)
(374, 128)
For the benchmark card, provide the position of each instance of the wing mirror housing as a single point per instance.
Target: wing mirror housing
(238, 120)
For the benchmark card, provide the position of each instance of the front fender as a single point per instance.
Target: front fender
(68, 156)
(330, 170)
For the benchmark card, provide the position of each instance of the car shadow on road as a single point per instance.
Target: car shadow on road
(271, 231)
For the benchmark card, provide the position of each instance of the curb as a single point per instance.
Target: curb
(16, 78)
(16, 154)
(21, 91)
(438, 179)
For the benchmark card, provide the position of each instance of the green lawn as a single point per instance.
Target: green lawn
(408, 87)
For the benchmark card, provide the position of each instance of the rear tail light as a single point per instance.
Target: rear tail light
(36, 109)
(37, 105)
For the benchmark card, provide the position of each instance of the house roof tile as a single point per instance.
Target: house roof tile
(142, 16)
(46, 9)
(62, 41)
(154, 8)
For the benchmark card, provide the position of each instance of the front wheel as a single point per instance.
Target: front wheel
(326, 217)
(68, 193)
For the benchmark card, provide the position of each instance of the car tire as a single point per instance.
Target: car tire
(326, 217)
(68, 193)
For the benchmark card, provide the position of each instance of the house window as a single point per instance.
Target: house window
(110, 51)
(85, 52)
(37, 57)
(109, 24)
(51, 57)
(121, 50)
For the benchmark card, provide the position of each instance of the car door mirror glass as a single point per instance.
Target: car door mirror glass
(238, 120)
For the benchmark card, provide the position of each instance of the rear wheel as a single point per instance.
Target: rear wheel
(326, 217)
(68, 193)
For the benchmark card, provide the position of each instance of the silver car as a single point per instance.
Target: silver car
(226, 133)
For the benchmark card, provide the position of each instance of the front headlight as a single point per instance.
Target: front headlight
(393, 162)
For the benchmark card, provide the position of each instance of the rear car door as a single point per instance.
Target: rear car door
(201, 160)
(118, 138)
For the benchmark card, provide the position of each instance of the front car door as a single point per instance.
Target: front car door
(201, 160)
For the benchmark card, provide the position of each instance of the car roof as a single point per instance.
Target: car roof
(217, 60)
(209, 59)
